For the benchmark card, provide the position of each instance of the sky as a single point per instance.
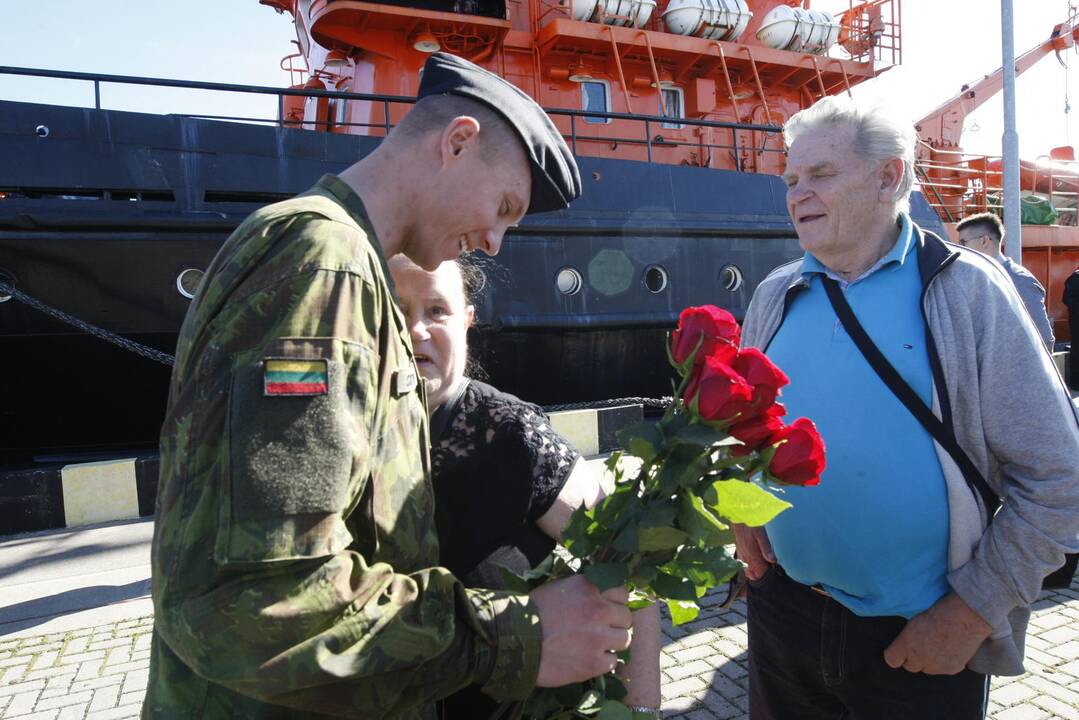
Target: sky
(946, 43)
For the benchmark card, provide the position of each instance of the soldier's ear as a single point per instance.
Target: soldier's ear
(891, 173)
(470, 315)
(460, 136)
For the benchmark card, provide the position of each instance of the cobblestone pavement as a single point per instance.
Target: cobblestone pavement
(99, 673)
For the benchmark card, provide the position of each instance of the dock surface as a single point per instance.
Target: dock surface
(76, 618)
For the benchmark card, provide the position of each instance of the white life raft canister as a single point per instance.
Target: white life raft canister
(798, 30)
(709, 19)
(626, 13)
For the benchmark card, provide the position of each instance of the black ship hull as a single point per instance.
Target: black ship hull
(101, 216)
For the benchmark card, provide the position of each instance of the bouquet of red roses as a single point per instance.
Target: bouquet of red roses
(718, 456)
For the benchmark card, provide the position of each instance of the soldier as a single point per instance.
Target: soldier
(294, 551)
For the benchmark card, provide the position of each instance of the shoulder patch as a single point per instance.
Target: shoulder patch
(295, 377)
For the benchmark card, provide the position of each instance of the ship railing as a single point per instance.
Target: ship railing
(1060, 177)
(958, 184)
(748, 142)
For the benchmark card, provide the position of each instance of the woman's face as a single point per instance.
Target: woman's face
(438, 317)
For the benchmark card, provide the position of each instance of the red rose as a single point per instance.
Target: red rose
(719, 328)
(757, 431)
(800, 459)
(760, 373)
(721, 393)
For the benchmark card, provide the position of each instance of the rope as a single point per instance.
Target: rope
(653, 403)
(138, 349)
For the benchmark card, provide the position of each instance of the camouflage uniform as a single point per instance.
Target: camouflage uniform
(294, 544)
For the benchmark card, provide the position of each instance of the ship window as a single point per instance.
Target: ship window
(596, 97)
(674, 100)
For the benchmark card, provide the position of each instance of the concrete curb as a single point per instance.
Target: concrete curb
(126, 488)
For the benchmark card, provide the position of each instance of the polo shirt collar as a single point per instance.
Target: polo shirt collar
(898, 255)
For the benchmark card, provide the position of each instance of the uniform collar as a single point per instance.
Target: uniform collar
(343, 193)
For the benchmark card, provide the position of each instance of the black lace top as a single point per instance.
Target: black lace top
(497, 466)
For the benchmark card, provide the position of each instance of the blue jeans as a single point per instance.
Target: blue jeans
(811, 658)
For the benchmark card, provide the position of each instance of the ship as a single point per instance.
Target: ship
(673, 109)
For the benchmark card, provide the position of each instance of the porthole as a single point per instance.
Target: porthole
(731, 278)
(188, 281)
(655, 279)
(568, 281)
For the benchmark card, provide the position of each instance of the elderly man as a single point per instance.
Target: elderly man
(984, 232)
(886, 592)
(294, 555)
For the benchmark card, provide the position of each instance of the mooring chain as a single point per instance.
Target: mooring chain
(143, 350)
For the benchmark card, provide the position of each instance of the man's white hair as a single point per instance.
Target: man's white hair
(879, 135)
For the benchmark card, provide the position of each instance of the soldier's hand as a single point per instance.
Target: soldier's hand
(582, 630)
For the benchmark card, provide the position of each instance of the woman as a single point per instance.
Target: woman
(505, 482)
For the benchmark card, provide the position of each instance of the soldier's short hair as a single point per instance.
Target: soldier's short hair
(985, 222)
(434, 113)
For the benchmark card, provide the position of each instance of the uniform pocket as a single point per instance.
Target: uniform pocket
(291, 438)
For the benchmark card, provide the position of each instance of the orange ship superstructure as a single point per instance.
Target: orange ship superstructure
(741, 62)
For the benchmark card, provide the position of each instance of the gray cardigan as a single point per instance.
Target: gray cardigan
(1012, 415)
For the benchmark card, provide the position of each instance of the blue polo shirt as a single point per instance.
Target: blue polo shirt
(874, 533)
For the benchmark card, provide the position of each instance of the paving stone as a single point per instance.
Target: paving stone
(58, 702)
(697, 667)
(1026, 711)
(22, 703)
(681, 688)
(105, 697)
(694, 653)
(1057, 708)
(1013, 693)
(72, 712)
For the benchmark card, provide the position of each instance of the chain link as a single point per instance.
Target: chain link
(138, 349)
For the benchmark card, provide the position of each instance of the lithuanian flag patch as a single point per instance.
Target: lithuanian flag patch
(285, 377)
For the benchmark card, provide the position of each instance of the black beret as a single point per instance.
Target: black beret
(556, 182)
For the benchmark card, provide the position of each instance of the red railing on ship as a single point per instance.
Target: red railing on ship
(958, 184)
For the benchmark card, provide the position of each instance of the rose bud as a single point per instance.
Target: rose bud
(757, 431)
(717, 326)
(799, 459)
(721, 393)
(762, 375)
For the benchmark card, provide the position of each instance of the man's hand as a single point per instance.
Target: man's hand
(582, 630)
(939, 641)
(754, 549)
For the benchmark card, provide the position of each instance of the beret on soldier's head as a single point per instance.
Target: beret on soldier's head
(556, 182)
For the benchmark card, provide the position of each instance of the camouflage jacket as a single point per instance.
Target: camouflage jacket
(294, 544)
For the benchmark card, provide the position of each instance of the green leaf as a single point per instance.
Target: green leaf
(697, 520)
(661, 537)
(616, 690)
(642, 439)
(683, 466)
(628, 541)
(614, 710)
(682, 611)
(590, 703)
(642, 571)
(617, 509)
(512, 581)
(698, 435)
(640, 604)
(704, 567)
(670, 587)
(614, 464)
(744, 502)
(659, 513)
(606, 575)
(575, 537)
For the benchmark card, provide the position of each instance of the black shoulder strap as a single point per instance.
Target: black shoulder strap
(942, 433)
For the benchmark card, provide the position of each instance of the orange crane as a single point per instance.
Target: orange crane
(942, 129)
